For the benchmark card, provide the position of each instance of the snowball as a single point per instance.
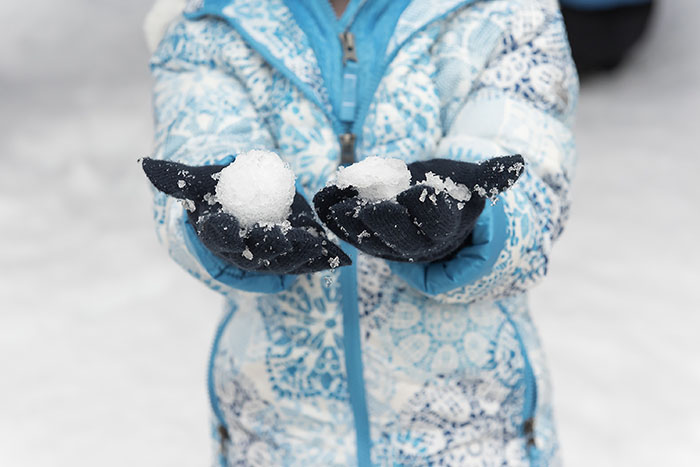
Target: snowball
(375, 178)
(456, 190)
(258, 187)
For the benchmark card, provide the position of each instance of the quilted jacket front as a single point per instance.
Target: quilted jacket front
(379, 363)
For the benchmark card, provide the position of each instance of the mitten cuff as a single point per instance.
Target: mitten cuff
(230, 275)
(468, 264)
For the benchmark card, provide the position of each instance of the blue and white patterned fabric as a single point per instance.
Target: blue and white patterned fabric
(378, 363)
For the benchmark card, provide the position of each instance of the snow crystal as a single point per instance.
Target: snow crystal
(456, 190)
(181, 184)
(285, 226)
(188, 204)
(517, 167)
(310, 230)
(209, 198)
(480, 191)
(363, 234)
(328, 281)
(247, 254)
(423, 194)
(375, 178)
(258, 187)
(334, 262)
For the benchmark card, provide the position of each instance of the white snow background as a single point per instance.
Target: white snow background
(103, 340)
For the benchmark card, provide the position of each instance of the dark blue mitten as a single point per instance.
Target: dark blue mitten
(424, 224)
(301, 249)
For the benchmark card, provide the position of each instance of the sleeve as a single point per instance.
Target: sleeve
(522, 102)
(203, 115)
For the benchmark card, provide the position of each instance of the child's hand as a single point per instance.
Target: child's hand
(300, 249)
(423, 224)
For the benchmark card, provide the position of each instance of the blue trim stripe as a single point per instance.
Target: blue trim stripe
(353, 357)
(213, 401)
(530, 396)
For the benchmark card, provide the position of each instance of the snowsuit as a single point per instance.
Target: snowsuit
(378, 363)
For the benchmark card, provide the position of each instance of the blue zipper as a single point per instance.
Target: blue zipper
(353, 358)
(530, 396)
(352, 341)
(222, 428)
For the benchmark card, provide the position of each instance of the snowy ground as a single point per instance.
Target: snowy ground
(103, 340)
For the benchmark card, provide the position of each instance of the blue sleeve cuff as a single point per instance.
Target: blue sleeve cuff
(470, 264)
(230, 275)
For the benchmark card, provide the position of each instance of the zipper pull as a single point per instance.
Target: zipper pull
(351, 71)
(347, 148)
(529, 432)
(223, 438)
(347, 40)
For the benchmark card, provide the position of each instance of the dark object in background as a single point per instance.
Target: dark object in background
(602, 32)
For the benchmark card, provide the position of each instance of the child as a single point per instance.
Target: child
(378, 362)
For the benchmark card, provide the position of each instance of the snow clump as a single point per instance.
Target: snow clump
(375, 178)
(257, 188)
(456, 190)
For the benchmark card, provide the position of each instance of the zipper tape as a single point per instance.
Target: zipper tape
(353, 357)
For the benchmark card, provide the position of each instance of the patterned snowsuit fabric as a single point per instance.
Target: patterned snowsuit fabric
(451, 366)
